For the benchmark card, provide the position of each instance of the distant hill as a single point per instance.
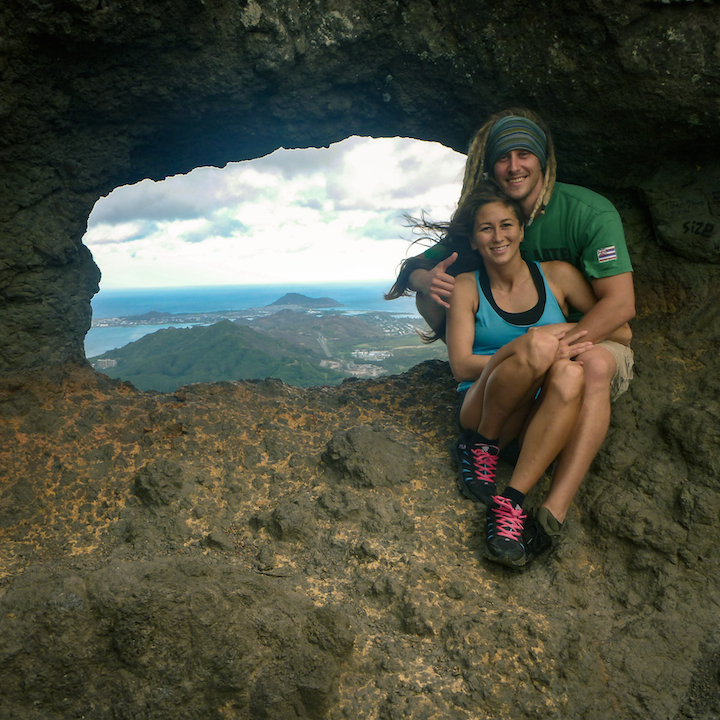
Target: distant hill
(170, 358)
(305, 301)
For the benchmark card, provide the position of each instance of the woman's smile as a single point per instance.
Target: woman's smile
(497, 232)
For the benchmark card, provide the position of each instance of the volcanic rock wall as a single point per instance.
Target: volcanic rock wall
(95, 94)
(253, 550)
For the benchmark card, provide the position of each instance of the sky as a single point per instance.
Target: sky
(311, 215)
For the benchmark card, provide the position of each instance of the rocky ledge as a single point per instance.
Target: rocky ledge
(255, 550)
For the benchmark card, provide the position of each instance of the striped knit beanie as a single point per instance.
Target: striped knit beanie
(515, 133)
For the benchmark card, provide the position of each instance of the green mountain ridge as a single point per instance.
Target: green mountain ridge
(172, 357)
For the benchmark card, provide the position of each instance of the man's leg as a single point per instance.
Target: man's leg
(592, 425)
(547, 432)
(432, 313)
(551, 425)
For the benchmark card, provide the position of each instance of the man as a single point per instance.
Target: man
(563, 222)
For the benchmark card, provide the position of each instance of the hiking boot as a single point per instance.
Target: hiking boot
(505, 525)
(539, 534)
(477, 465)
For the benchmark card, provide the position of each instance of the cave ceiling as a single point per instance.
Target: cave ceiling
(97, 94)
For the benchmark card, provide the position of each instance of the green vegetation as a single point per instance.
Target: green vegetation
(299, 348)
(173, 357)
(342, 335)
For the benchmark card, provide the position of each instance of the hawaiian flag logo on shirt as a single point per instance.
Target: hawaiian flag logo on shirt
(606, 254)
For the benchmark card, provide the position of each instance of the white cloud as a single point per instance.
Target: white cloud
(108, 233)
(328, 214)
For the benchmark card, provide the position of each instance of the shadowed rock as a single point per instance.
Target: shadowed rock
(97, 95)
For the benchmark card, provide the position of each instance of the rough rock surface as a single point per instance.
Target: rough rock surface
(95, 94)
(254, 550)
(684, 203)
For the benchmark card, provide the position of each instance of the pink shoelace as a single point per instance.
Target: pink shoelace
(485, 463)
(509, 518)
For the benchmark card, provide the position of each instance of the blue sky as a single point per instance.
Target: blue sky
(309, 215)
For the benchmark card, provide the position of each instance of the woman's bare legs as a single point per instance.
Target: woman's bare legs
(548, 427)
(550, 424)
(495, 408)
(498, 402)
(503, 404)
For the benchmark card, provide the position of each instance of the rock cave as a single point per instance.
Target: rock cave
(255, 550)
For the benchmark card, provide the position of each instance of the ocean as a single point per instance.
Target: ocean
(354, 298)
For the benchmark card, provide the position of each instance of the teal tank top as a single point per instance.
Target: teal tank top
(494, 327)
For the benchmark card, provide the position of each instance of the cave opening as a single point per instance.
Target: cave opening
(322, 222)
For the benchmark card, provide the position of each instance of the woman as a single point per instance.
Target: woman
(518, 363)
(523, 129)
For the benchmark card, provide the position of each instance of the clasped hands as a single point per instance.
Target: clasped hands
(568, 346)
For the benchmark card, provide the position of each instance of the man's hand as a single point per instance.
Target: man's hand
(569, 346)
(436, 283)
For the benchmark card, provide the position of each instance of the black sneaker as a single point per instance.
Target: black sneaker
(477, 465)
(505, 525)
(539, 533)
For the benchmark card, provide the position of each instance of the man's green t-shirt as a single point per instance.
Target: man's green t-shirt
(582, 228)
(578, 226)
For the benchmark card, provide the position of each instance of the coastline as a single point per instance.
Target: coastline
(117, 313)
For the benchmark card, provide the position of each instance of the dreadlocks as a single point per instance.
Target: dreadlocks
(479, 167)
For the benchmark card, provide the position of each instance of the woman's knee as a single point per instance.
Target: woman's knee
(567, 379)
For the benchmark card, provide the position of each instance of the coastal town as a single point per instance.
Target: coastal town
(356, 344)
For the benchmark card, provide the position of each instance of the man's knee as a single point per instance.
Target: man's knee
(599, 367)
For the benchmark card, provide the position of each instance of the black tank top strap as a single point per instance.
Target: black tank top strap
(528, 317)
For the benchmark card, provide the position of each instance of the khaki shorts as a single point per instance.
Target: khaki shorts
(624, 359)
